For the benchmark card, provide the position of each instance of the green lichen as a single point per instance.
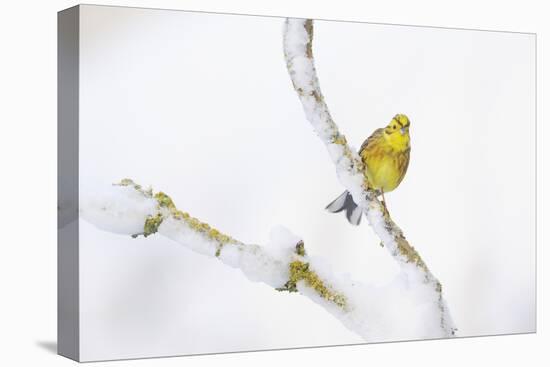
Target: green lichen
(201, 227)
(300, 248)
(410, 253)
(300, 271)
(165, 202)
(152, 224)
(404, 248)
(339, 139)
(219, 250)
(128, 182)
(318, 96)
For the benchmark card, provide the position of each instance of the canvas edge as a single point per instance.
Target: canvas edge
(68, 330)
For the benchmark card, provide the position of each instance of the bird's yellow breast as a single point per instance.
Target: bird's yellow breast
(386, 164)
(383, 173)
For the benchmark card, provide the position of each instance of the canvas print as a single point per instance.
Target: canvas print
(234, 183)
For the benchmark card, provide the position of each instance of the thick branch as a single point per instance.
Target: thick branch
(298, 38)
(128, 208)
(376, 314)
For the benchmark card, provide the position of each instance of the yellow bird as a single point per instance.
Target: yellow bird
(385, 155)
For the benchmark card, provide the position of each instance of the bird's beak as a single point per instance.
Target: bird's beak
(402, 131)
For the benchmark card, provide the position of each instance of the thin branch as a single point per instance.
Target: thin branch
(298, 48)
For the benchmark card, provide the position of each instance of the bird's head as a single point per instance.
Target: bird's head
(397, 132)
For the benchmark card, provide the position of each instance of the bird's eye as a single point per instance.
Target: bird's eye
(394, 127)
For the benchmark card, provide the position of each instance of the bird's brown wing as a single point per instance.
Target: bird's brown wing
(373, 137)
(403, 163)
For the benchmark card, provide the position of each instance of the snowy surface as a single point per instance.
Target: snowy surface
(228, 141)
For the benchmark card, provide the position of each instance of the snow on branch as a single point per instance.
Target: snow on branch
(298, 39)
(127, 208)
(398, 311)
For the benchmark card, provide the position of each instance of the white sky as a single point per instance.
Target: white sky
(201, 107)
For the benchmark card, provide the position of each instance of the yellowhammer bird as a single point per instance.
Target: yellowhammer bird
(385, 155)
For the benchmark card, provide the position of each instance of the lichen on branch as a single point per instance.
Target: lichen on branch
(298, 268)
(299, 271)
(164, 201)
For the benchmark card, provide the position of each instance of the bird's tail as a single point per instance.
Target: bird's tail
(345, 202)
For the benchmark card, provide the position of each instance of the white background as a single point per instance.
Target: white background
(28, 152)
(201, 106)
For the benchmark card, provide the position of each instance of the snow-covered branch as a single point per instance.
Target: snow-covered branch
(127, 208)
(411, 306)
(398, 311)
(298, 38)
